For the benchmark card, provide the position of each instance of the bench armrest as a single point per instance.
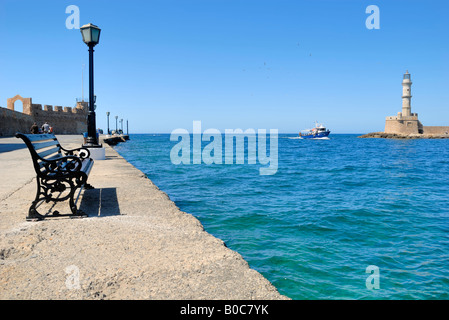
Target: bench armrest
(83, 153)
(62, 165)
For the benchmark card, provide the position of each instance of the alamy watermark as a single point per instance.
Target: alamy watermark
(73, 20)
(72, 280)
(373, 20)
(373, 280)
(212, 153)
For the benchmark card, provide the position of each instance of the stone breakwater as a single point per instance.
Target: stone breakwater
(135, 244)
(404, 136)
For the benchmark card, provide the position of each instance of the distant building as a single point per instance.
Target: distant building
(64, 120)
(406, 122)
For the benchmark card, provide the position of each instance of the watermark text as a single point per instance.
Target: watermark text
(212, 153)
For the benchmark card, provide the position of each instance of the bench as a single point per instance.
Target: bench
(58, 171)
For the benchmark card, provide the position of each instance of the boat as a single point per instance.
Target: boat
(319, 131)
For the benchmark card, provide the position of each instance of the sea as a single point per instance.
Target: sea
(342, 218)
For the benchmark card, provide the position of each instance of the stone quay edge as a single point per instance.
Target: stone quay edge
(136, 243)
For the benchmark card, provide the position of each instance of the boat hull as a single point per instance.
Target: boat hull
(316, 135)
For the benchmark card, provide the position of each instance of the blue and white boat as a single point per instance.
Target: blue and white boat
(316, 133)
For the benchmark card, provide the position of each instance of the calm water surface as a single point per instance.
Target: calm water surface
(333, 208)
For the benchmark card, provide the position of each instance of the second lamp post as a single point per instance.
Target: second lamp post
(108, 113)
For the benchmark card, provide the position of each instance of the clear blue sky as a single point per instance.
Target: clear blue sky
(232, 63)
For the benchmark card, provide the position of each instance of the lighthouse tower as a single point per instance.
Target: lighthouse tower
(405, 122)
(406, 95)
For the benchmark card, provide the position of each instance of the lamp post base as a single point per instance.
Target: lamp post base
(92, 145)
(97, 152)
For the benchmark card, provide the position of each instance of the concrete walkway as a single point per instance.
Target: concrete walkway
(135, 244)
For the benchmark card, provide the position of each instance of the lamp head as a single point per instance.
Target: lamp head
(91, 34)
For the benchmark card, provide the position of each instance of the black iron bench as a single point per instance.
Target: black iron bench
(58, 171)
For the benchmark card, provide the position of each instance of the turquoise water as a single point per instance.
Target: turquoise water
(333, 208)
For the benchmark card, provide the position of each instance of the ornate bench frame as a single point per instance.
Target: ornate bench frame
(58, 170)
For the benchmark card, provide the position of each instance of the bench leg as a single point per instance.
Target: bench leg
(33, 214)
(44, 193)
(88, 186)
(75, 212)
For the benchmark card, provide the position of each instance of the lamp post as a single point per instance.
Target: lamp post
(127, 131)
(91, 37)
(121, 124)
(108, 113)
(116, 129)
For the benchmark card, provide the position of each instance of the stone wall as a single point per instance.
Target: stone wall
(403, 126)
(435, 130)
(64, 120)
(407, 127)
(13, 121)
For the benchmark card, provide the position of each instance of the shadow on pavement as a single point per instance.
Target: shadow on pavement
(100, 202)
(6, 147)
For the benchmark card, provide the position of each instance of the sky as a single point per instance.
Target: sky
(259, 64)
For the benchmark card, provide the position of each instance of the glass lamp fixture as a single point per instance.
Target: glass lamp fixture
(91, 34)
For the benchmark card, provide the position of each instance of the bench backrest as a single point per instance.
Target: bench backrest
(42, 147)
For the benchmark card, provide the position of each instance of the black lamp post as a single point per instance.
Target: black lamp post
(91, 37)
(108, 113)
(121, 123)
(116, 129)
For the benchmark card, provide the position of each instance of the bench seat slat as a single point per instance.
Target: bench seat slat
(41, 145)
(48, 152)
(87, 165)
(40, 137)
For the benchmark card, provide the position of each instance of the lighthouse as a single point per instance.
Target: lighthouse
(405, 122)
(406, 95)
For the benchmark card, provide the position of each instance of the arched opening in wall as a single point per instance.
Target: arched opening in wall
(18, 106)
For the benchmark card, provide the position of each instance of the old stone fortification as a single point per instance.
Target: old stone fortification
(64, 120)
(410, 126)
(403, 125)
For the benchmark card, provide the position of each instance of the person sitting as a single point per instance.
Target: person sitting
(46, 127)
(34, 129)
